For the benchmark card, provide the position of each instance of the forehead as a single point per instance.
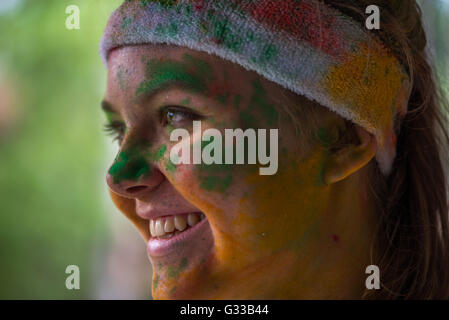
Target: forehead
(129, 66)
(136, 62)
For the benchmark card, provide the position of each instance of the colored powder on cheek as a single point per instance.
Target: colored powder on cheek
(214, 177)
(160, 153)
(335, 238)
(170, 128)
(216, 183)
(292, 191)
(170, 166)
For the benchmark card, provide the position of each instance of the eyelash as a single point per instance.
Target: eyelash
(116, 130)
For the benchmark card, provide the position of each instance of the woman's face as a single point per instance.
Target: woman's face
(258, 236)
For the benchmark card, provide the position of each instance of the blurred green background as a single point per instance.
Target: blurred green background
(53, 155)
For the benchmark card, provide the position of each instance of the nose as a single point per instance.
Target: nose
(132, 176)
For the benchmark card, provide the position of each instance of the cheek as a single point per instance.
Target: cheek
(216, 190)
(284, 210)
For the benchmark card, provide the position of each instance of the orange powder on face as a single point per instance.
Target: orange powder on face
(283, 209)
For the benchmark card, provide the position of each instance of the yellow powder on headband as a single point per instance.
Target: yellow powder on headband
(378, 83)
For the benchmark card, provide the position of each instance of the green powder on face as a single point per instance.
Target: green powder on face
(166, 72)
(156, 282)
(129, 166)
(121, 73)
(203, 68)
(186, 101)
(182, 264)
(327, 136)
(192, 73)
(259, 101)
(247, 120)
(170, 128)
(215, 177)
(215, 183)
(170, 167)
(237, 100)
(160, 153)
(323, 136)
(223, 98)
(173, 272)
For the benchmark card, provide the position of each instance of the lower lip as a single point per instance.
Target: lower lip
(162, 247)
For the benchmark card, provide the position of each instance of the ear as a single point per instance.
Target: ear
(349, 159)
(128, 208)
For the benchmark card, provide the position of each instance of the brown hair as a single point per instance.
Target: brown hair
(412, 239)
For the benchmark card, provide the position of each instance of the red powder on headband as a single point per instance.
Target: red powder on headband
(301, 19)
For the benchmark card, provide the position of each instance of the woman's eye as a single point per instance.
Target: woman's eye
(176, 116)
(115, 129)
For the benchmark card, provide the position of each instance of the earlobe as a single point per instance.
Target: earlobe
(344, 162)
(128, 208)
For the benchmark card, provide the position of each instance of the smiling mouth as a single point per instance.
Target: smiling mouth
(170, 226)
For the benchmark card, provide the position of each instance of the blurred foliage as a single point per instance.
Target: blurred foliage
(436, 17)
(51, 164)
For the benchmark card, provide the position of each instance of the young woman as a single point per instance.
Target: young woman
(361, 175)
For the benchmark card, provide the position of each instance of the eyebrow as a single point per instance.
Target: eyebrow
(170, 76)
(148, 94)
(164, 80)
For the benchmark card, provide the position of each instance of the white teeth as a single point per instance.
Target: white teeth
(152, 230)
(180, 222)
(159, 228)
(169, 225)
(192, 219)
